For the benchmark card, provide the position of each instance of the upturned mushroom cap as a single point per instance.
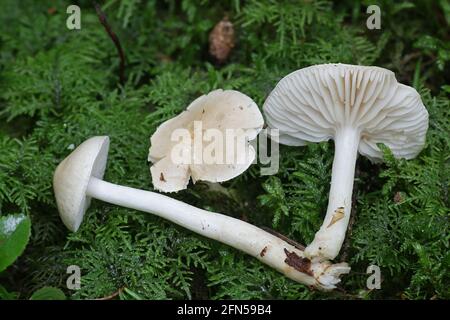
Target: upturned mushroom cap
(311, 104)
(71, 179)
(220, 110)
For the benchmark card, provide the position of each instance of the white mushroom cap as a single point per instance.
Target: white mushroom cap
(220, 110)
(310, 104)
(72, 176)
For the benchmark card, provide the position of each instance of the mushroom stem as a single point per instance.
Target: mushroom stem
(241, 235)
(328, 240)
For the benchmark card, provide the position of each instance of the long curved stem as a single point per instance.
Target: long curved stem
(328, 240)
(254, 241)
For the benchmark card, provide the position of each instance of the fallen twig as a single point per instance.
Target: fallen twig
(111, 296)
(102, 17)
(279, 235)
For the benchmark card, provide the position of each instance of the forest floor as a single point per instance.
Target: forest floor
(60, 86)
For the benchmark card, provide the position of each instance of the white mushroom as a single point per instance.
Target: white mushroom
(358, 107)
(209, 119)
(78, 178)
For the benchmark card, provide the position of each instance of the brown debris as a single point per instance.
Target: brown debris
(161, 177)
(102, 18)
(398, 197)
(221, 40)
(263, 252)
(163, 57)
(113, 295)
(338, 215)
(283, 237)
(300, 264)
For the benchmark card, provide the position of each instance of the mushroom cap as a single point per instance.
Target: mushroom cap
(71, 179)
(220, 110)
(311, 104)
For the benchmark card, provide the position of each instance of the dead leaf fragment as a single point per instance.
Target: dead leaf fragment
(263, 252)
(221, 40)
(298, 263)
(338, 215)
(398, 197)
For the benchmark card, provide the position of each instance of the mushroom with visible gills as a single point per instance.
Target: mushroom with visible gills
(356, 106)
(78, 178)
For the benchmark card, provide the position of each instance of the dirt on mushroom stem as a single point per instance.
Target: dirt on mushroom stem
(298, 263)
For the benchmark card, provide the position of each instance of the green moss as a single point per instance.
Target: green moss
(59, 87)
